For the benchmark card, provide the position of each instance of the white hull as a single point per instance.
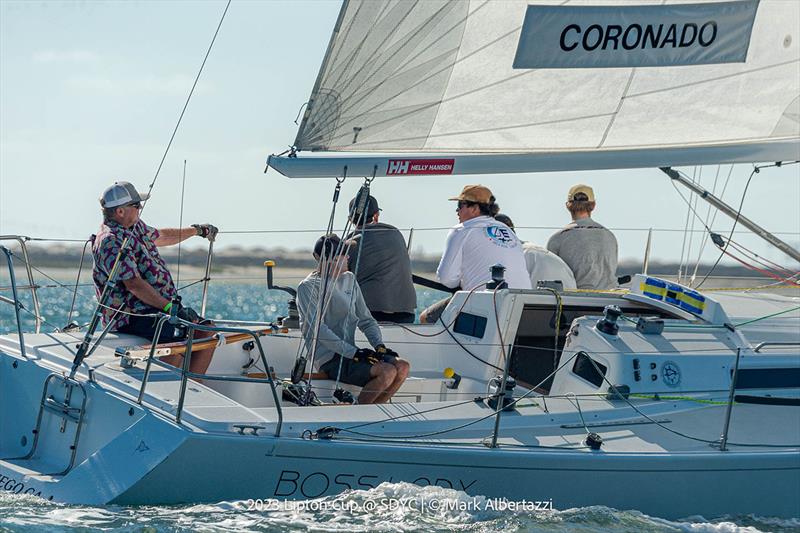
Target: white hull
(131, 453)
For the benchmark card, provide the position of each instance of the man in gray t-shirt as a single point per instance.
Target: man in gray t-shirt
(586, 246)
(384, 268)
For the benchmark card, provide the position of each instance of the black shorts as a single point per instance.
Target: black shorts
(397, 318)
(353, 373)
(145, 326)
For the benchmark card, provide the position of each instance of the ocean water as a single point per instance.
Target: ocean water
(388, 507)
(233, 300)
(455, 511)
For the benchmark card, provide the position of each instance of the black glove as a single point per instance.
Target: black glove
(207, 231)
(365, 355)
(188, 314)
(387, 355)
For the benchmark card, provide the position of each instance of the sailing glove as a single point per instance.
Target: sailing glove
(365, 355)
(387, 355)
(207, 231)
(188, 314)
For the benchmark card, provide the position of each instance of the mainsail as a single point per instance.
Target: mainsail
(569, 86)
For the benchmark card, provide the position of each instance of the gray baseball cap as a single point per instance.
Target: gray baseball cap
(121, 193)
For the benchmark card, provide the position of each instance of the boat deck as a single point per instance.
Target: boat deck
(548, 423)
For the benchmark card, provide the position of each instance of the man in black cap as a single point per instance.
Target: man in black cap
(143, 285)
(379, 258)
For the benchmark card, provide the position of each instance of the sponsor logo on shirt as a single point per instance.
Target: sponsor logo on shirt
(420, 166)
(501, 236)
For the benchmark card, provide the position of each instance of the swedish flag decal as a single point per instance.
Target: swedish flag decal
(654, 288)
(679, 296)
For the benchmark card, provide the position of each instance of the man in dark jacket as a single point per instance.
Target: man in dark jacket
(381, 264)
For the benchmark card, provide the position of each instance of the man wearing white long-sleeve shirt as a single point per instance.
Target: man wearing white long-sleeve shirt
(476, 244)
(380, 372)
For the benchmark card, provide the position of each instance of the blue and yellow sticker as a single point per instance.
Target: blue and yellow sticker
(681, 297)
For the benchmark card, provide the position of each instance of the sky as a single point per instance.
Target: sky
(90, 92)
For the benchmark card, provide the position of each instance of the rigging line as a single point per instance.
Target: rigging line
(662, 426)
(762, 260)
(706, 236)
(403, 326)
(755, 258)
(693, 199)
(322, 303)
(400, 69)
(690, 207)
(444, 228)
(112, 274)
(180, 223)
(69, 289)
(78, 281)
(619, 106)
(690, 210)
(415, 413)
(362, 196)
(685, 229)
(556, 322)
(462, 426)
(506, 356)
(41, 239)
(733, 227)
(722, 194)
(188, 99)
(469, 352)
(549, 350)
(299, 111)
(762, 271)
(716, 78)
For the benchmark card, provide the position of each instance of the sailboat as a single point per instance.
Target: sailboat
(660, 398)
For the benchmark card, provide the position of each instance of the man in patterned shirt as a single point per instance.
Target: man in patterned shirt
(143, 285)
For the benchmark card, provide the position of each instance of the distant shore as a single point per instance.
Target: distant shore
(247, 264)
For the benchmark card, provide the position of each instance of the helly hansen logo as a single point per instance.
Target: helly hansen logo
(419, 166)
(397, 167)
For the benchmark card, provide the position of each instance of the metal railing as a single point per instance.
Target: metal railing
(185, 373)
(34, 287)
(15, 302)
(31, 283)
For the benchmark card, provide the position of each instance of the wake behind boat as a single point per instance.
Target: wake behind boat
(662, 398)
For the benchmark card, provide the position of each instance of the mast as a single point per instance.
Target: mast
(733, 213)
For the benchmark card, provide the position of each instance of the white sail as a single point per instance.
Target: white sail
(621, 80)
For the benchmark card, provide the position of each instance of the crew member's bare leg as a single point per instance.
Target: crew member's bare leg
(401, 373)
(201, 359)
(383, 375)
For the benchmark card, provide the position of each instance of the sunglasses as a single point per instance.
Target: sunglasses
(463, 203)
(137, 205)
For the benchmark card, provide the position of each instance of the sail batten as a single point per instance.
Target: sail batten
(439, 76)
